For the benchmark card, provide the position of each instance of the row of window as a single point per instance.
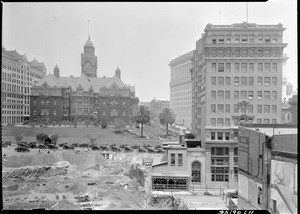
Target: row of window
(221, 108)
(15, 88)
(12, 119)
(244, 81)
(244, 39)
(12, 112)
(244, 67)
(86, 111)
(179, 159)
(266, 95)
(226, 121)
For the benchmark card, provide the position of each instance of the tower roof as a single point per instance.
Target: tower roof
(89, 43)
(56, 68)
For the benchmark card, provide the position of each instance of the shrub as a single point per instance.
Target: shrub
(41, 137)
(104, 123)
(119, 124)
(54, 138)
(18, 138)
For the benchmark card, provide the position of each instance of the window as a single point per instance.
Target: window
(227, 79)
(244, 39)
(260, 53)
(221, 54)
(179, 159)
(221, 95)
(267, 81)
(243, 81)
(274, 67)
(220, 80)
(227, 121)
(236, 95)
(260, 39)
(274, 95)
(267, 67)
(228, 39)
(213, 67)
(172, 159)
(213, 95)
(251, 81)
(227, 108)
(268, 39)
(274, 39)
(266, 121)
(251, 39)
(236, 67)
(228, 67)
(226, 135)
(259, 81)
(220, 121)
(243, 95)
(244, 67)
(220, 108)
(267, 109)
(267, 95)
(221, 39)
(259, 121)
(54, 111)
(250, 95)
(250, 109)
(213, 136)
(243, 109)
(220, 135)
(236, 81)
(251, 67)
(219, 174)
(274, 109)
(237, 39)
(259, 108)
(236, 108)
(244, 54)
(260, 67)
(273, 121)
(213, 108)
(214, 39)
(259, 95)
(227, 95)
(274, 80)
(213, 81)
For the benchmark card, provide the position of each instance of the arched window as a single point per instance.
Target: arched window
(196, 171)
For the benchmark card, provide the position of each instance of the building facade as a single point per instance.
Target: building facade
(268, 168)
(17, 75)
(55, 99)
(236, 77)
(181, 89)
(156, 107)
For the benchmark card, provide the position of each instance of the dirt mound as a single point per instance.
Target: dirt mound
(16, 161)
(32, 173)
(11, 188)
(76, 188)
(167, 202)
(65, 205)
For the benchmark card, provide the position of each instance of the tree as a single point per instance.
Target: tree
(18, 138)
(54, 138)
(142, 117)
(167, 117)
(87, 122)
(119, 125)
(104, 123)
(95, 117)
(40, 138)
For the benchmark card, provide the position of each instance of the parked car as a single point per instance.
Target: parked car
(32, 145)
(42, 146)
(84, 145)
(68, 147)
(95, 147)
(115, 148)
(141, 149)
(22, 149)
(128, 149)
(123, 146)
(135, 146)
(151, 150)
(24, 144)
(104, 147)
(62, 144)
(52, 146)
(74, 145)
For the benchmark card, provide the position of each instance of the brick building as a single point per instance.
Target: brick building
(57, 98)
(17, 75)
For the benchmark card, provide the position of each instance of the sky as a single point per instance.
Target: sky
(139, 37)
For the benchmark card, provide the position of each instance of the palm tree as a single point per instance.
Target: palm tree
(143, 117)
(167, 117)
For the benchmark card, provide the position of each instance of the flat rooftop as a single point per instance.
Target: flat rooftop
(275, 131)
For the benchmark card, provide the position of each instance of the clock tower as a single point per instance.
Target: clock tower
(89, 60)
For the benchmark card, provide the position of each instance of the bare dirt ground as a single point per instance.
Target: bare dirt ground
(84, 178)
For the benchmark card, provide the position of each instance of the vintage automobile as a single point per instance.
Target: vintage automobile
(22, 149)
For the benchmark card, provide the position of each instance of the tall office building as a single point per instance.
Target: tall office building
(181, 89)
(236, 77)
(17, 75)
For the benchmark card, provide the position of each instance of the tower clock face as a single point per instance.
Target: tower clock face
(88, 64)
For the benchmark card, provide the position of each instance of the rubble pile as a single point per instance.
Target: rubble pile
(165, 202)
